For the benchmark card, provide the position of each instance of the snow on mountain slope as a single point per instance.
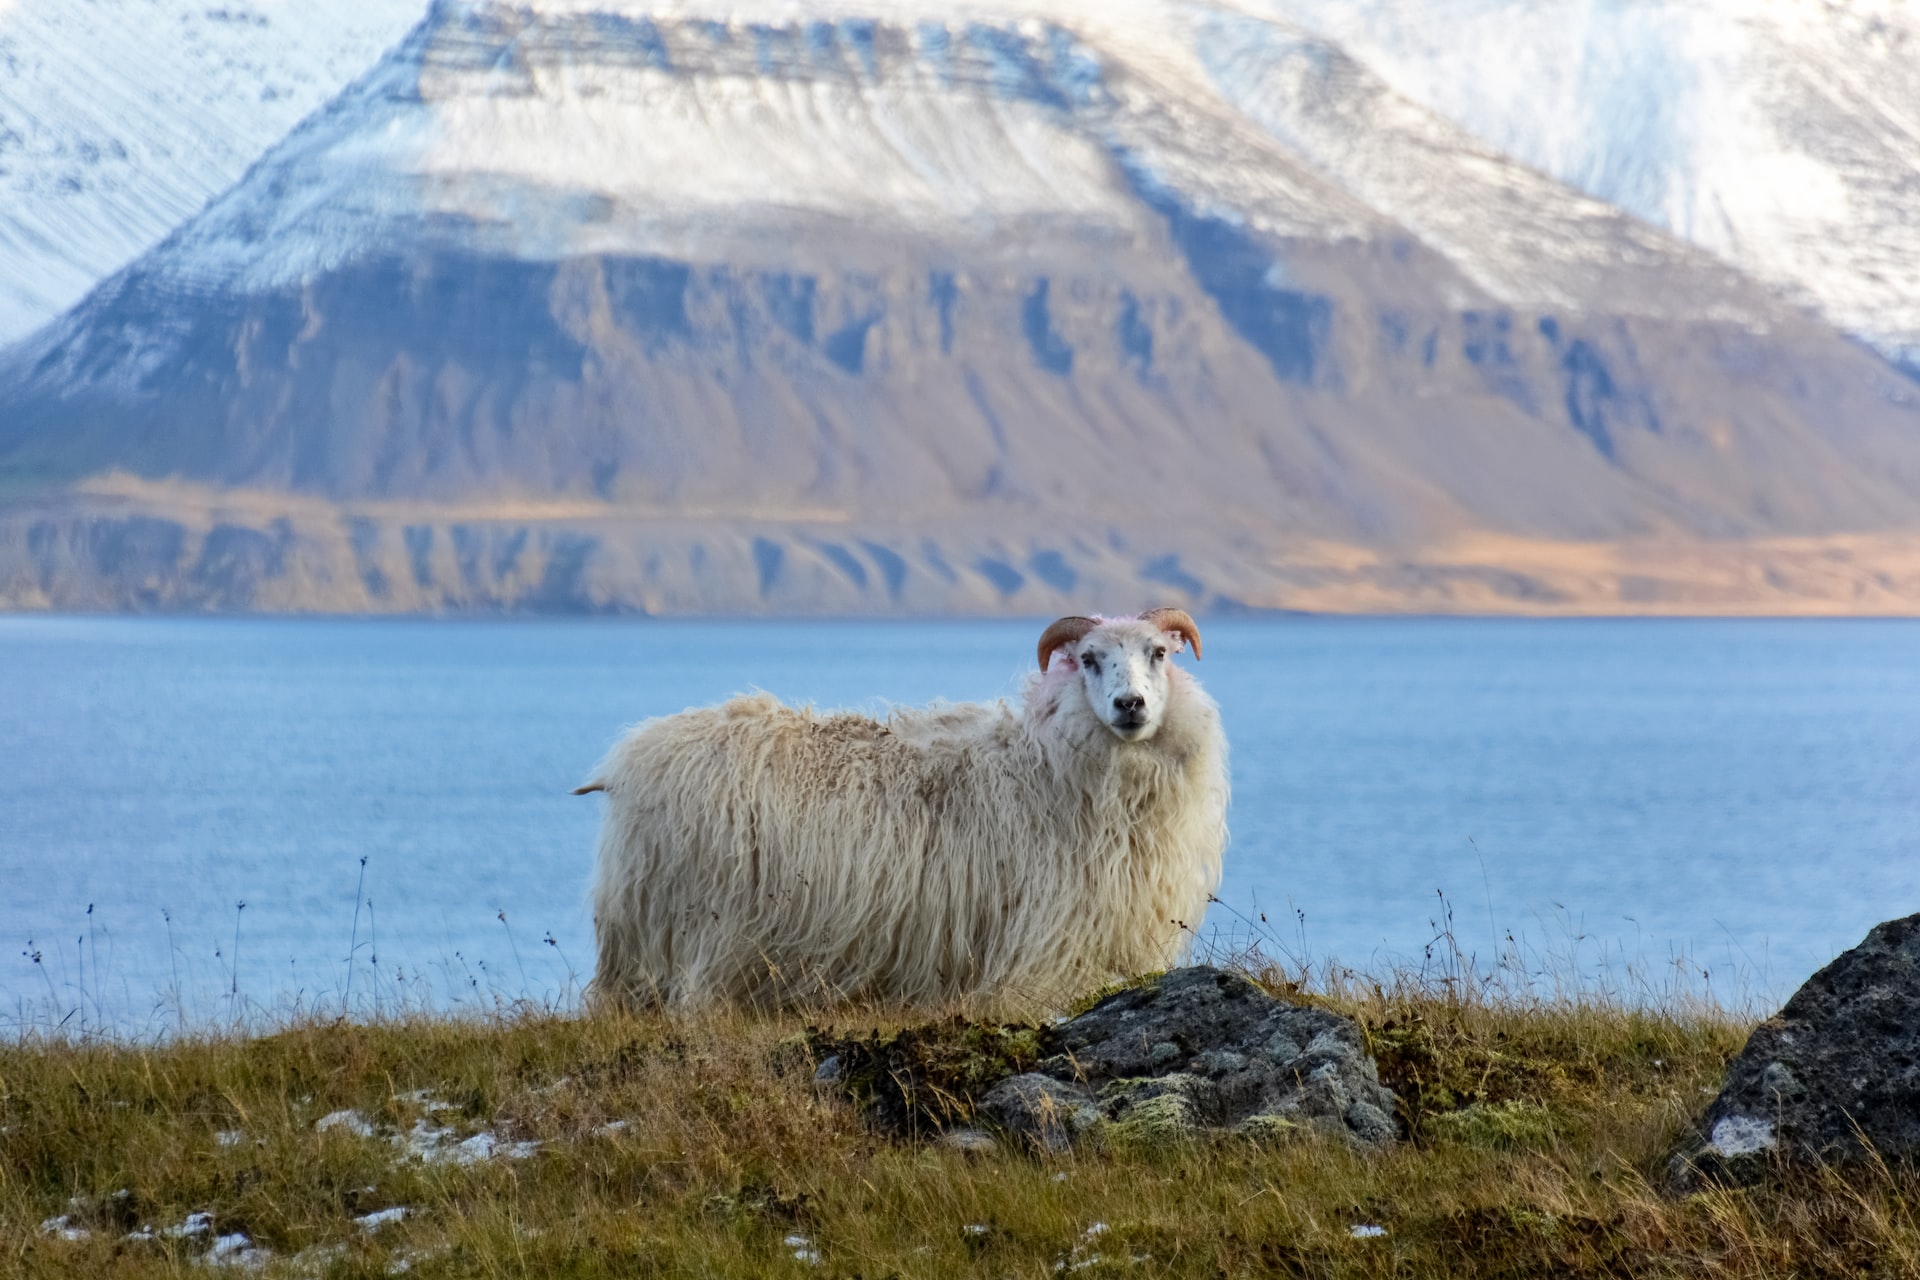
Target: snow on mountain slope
(120, 118)
(1783, 135)
(686, 127)
(1523, 236)
(690, 129)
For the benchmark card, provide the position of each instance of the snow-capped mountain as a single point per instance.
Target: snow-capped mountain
(120, 118)
(1782, 135)
(683, 305)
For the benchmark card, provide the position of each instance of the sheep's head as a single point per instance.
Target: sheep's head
(1123, 664)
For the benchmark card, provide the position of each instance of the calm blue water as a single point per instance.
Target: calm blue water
(1742, 795)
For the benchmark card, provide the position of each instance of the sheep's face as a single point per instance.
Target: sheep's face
(1124, 673)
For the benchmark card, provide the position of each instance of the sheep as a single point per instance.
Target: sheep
(763, 854)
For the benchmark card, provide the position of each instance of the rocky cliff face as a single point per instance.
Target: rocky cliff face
(595, 307)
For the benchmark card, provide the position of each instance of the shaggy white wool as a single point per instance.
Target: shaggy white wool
(761, 853)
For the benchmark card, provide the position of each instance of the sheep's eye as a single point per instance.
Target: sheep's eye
(1159, 654)
(1090, 662)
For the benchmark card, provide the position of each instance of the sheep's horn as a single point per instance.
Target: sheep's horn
(1176, 621)
(1062, 631)
(591, 786)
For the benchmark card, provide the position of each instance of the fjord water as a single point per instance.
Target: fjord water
(1730, 801)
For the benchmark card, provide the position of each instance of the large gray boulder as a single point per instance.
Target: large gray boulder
(1833, 1074)
(1197, 1049)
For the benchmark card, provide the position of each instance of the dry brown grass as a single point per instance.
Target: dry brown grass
(1539, 1133)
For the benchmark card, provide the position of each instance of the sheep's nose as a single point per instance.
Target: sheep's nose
(1129, 702)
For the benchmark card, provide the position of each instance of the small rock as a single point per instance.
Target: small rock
(973, 1142)
(827, 1075)
(1042, 1110)
(1370, 1124)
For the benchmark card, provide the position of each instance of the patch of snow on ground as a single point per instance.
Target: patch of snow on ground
(236, 1250)
(436, 1145)
(352, 1121)
(381, 1217)
(63, 1227)
(197, 1224)
(425, 1100)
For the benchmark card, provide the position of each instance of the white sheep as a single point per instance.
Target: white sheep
(767, 854)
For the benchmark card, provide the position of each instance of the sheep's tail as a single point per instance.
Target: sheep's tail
(591, 786)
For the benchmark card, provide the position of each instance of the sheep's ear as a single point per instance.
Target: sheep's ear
(1062, 631)
(1177, 622)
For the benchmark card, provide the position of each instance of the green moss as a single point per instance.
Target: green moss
(1501, 1126)
(1151, 1112)
(1262, 1128)
(1087, 1002)
(1434, 1070)
(923, 1079)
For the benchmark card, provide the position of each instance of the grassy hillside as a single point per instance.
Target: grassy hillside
(641, 1146)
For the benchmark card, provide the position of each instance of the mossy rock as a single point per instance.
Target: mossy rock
(1267, 1129)
(1170, 1056)
(1156, 1112)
